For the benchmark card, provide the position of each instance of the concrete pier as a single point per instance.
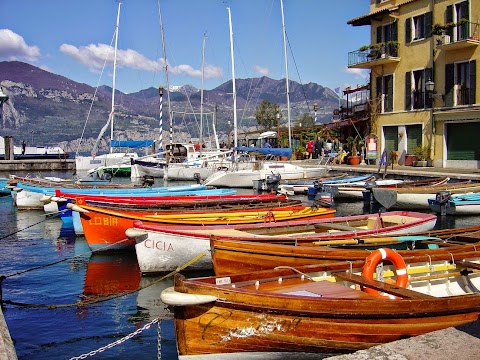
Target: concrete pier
(7, 350)
(37, 165)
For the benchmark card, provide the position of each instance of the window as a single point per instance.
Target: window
(460, 83)
(458, 14)
(387, 36)
(416, 96)
(385, 92)
(418, 27)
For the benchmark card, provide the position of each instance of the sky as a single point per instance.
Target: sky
(74, 39)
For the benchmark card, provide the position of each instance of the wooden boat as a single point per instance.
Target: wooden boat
(322, 308)
(356, 191)
(162, 248)
(104, 229)
(4, 189)
(233, 256)
(464, 204)
(417, 197)
(303, 186)
(33, 197)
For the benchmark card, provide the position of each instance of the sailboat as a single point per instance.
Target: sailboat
(261, 171)
(116, 163)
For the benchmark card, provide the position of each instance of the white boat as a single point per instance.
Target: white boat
(112, 161)
(161, 248)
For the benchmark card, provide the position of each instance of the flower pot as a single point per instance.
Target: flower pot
(420, 163)
(410, 159)
(354, 160)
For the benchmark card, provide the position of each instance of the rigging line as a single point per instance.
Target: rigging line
(298, 73)
(95, 94)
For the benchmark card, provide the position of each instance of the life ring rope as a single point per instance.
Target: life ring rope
(377, 257)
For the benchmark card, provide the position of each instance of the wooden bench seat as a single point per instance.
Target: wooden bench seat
(324, 288)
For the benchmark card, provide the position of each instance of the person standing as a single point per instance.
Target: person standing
(310, 149)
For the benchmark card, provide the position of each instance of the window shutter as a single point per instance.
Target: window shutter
(379, 86)
(449, 19)
(408, 30)
(473, 82)
(379, 34)
(428, 24)
(449, 82)
(389, 93)
(408, 90)
(395, 31)
(428, 98)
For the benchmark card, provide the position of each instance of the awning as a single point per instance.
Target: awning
(367, 18)
(342, 123)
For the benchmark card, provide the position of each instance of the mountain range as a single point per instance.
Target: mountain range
(48, 109)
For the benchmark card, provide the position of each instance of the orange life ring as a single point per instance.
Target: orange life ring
(375, 258)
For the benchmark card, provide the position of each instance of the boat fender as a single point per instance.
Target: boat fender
(46, 199)
(174, 298)
(76, 208)
(378, 256)
(138, 234)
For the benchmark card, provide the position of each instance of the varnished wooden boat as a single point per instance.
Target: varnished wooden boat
(322, 308)
(104, 229)
(233, 257)
(162, 248)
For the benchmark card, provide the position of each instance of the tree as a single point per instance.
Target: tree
(306, 120)
(266, 114)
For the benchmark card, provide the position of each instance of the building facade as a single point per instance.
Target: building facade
(422, 60)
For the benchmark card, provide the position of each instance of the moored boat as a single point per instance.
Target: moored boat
(463, 204)
(322, 308)
(104, 229)
(162, 248)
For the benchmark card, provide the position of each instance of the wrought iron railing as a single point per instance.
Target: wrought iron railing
(373, 52)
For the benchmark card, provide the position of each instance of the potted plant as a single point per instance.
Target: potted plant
(354, 158)
(438, 29)
(422, 153)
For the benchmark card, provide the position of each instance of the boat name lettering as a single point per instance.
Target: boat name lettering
(104, 221)
(223, 281)
(158, 245)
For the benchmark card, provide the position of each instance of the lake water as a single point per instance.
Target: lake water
(49, 271)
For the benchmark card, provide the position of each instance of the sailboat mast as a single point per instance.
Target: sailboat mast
(286, 77)
(201, 92)
(234, 89)
(164, 51)
(112, 113)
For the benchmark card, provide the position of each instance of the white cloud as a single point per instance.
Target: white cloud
(357, 73)
(93, 56)
(14, 47)
(261, 70)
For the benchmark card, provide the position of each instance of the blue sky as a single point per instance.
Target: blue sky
(72, 38)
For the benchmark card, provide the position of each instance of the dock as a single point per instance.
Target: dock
(7, 350)
(37, 165)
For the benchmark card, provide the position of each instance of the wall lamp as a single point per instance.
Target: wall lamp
(430, 87)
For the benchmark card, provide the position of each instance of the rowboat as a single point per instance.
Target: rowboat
(417, 197)
(33, 197)
(355, 191)
(4, 190)
(234, 256)
(104, 229)
(463, 204)
(333, 307)
(163, 248)
(303, 186)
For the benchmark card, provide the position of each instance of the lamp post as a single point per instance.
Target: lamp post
(315, 108)
(278, 129)
(430, 88)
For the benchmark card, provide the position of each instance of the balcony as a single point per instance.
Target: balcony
(452, 37)
(373, 55)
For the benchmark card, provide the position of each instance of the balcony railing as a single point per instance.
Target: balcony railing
(462, 34)
(463, 95)
(374, 52)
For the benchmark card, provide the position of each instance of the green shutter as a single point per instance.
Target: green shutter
(462, 141)
(390, 134)
(378, 86)
(428, 24)
(414, 137)
(408, 90)
(449, 19)
(408, 30)
(389, 93)
(449, 83)
(473, 81)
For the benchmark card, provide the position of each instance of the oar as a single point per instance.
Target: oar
(381, 240)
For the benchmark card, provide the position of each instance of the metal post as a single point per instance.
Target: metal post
(315, 108)
(160, 140)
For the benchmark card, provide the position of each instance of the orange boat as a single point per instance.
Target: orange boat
(104, 228)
